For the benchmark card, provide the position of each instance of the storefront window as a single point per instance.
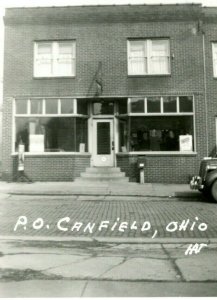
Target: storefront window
(51, 133)
(82, 107)
(153, 104)
(185, 104)
(122, 106)
(67, 106)
(169, 104)
(137, 105)
(21, 106)
(103, 107)
(51, 106)
(36, 106)
(159, 133)
(158, 123)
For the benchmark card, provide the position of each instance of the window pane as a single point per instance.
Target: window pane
(51, 134)
(103, 138)
(51, 106)
(82, 106)
(137, 57)
(36, 106)
(185, 104)
(123, 134)
(67, 106)
(160, 57)
(153, 104)
(44, 59)
(159, 133)
(169, 104)
(65, 59)
(103, 108)
(21, 106)
(122, 106)
(214, 53)
(137, 105)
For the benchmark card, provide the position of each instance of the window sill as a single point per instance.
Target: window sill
(53, 153)
(53, 77)
(158, 153)
(149, 75)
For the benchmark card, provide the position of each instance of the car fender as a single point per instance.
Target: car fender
(210, 178)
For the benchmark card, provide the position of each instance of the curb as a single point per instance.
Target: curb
(174, 195)
(115, 240)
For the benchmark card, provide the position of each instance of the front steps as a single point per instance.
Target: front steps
(102, 174)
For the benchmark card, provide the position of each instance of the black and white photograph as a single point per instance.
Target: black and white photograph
(108, 148)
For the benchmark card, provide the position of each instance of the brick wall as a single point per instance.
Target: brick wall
(107, 43)
(53, 168)
(160, 168)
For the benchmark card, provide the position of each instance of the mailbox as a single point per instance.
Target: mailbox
(141, 164)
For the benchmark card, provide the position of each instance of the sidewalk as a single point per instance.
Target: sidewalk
(104, 189)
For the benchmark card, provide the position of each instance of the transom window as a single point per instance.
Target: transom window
(53, 59)
(161, 105)
(148, 57)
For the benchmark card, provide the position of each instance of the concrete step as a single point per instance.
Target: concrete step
(101, 179)
(103, 175)
(103, 170)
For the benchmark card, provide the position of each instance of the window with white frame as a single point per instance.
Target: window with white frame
(53, 59)
(51, 125)
(158, 123)
(214, 57)
(149, 57)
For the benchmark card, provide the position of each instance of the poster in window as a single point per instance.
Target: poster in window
(36, 143)
(185, 142)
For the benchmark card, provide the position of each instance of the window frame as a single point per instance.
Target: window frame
(166, 114)
(54, 58)
(214, 45)
(148, 45)
(44, 115)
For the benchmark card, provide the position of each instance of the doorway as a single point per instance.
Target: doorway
(103, 143)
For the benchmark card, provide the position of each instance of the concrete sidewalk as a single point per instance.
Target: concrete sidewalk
(97, 269)
(111, 189)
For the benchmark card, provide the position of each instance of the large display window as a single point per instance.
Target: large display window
(157, 124)
(51, 125)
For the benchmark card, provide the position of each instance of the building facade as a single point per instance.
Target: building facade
(106, 85)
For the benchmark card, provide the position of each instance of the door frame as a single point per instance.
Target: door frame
(111, 157)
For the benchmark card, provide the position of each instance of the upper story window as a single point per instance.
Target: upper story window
(214, 57)
(148, 57)
(54, 59)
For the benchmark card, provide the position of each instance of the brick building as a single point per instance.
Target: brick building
(104, 85)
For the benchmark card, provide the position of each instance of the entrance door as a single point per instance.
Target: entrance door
(103, 143)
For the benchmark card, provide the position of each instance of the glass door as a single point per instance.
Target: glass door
(103, 143)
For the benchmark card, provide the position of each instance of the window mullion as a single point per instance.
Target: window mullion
(161, 105)
(43, 107)
(59, 107)
(177, 104)
(75, 105)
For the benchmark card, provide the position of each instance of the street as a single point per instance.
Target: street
(146, 217)
(56, 261)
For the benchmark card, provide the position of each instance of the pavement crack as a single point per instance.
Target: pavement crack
(112, 267)
(84, 288)
(173, 262)
(67, 264)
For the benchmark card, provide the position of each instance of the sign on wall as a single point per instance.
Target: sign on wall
(185, 142)
(36, 143)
